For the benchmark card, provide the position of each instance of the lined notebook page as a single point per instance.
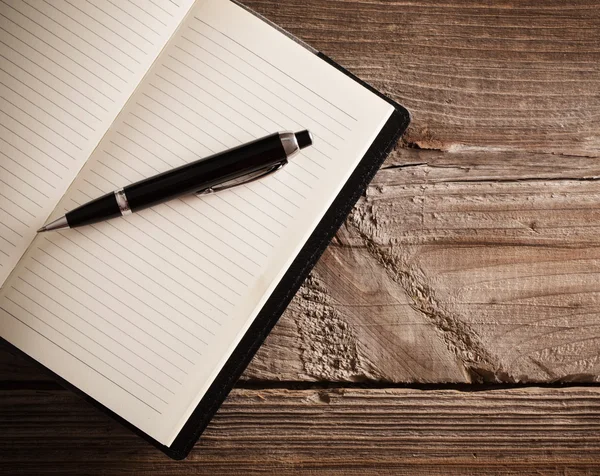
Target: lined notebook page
(66, 69)
(142, 312)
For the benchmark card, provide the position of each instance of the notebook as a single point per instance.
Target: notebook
(153, 317)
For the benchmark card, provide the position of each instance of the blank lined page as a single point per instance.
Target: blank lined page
(67, 68)
(142, 312)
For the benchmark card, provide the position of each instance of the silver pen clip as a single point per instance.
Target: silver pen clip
(245, 179)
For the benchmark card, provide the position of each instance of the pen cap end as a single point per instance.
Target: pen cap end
(304, 139)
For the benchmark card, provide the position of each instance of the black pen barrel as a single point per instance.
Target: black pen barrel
(194, 177)
(206, 173)
(223, 170)
(99, 209)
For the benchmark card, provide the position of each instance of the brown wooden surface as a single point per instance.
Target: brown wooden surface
(473, 259)
(336, 431)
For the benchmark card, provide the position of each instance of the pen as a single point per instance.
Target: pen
(233, 167)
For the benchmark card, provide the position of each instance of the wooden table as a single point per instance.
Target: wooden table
(453, 327)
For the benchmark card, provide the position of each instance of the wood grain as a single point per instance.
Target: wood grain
(472, 259)
(474, 255)
(443, 279)
(513, 75)
(471, 183)
(336, 431)
(458, 282)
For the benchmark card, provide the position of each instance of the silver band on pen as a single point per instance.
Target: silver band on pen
(123, 202)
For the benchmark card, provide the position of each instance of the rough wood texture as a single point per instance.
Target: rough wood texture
(474, 255)
(473, 258)
(439, 280)
(515, 75)
(343, 431)
(487, 210)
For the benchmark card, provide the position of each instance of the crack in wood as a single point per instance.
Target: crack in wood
(460, 338)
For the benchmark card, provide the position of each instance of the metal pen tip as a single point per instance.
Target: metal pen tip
(57, 224)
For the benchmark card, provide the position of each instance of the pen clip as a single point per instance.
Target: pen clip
(244, 180)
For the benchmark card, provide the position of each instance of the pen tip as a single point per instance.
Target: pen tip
(58, 224)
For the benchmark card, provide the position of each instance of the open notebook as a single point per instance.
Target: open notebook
(155, 315)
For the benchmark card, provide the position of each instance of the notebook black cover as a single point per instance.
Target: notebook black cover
(284, 292)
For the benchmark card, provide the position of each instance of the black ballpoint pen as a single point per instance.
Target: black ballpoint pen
(227, 169)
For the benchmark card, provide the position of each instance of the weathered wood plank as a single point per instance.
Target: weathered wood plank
(344, 431)
(507, 271)
(466, 164)
(449, 270)
(437, 278)
(509, 75)
(446, 64)
(492, 98)
(329, 340)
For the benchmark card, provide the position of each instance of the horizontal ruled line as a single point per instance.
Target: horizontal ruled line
(17, 205)
(23, 181)
(180, 284)
(276, 68)
(6, 239)
(201, 102)
(147, 13)
(60, 52)
(37, 134)
(108, 307)
(134, 18)
(61, 67)
(79, 37)
(143, 274)
(162, 294)
(13, 216)
(187, 331)
(45, 97)
(119, 329)
(122, 345)
(106, 27)
(41, 123)
(32, 145)
(120, 22)
(79, 331)
(237, 83)
(80, 360)
(97, 35)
